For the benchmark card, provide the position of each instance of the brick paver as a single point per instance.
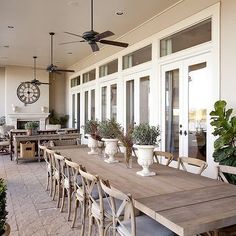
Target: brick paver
(30, 209)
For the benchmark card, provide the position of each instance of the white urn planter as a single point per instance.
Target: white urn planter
(111, 149)
(145, 159)
(93, 145)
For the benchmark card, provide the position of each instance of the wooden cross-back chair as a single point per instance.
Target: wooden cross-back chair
(73, 180)
(182, 161)
(94, 200)
(227, 170)
(167, 155)
(48, 156)
(129, 225)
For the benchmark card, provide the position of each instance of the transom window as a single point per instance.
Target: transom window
(137, 57)
(192, 36)
(109, 68)
(89, 76)
(75, 81)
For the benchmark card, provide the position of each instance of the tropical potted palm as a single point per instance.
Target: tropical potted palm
(109, 130)
(145, 139)
(225, 129)
(4, 227)
(31, 127)
(91, 131)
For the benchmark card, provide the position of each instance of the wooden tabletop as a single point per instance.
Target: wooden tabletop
(186, 203)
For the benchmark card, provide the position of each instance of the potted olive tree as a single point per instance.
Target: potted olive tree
(4, 227)
(145, 139)
(225, 130)
(91, 131)
(31, 127)
(109, 130)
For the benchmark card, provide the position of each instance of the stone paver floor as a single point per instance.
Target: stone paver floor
(30, 209)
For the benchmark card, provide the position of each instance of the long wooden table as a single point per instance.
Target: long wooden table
(186, 203)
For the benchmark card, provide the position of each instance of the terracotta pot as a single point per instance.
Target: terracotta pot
(29, 132)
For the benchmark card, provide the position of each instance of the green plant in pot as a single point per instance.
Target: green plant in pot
(91, 131)
(146, 139)
(4, 227)
(31, 127)
(225, 130)
(109, 131)
(126, 139)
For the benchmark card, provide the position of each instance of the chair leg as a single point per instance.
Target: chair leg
(69, 203)
(63, 199)
(59, 193)
(51, 185)
(47, 184)
(75, 212)
(83, 216)
(90, 225)
(54, 189)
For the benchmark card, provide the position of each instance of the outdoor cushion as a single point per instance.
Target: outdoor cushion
(145, 226)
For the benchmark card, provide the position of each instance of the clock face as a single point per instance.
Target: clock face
(28, 93)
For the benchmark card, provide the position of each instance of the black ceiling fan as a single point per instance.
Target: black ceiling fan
(52, 68)
(35, 81)
(92, 37)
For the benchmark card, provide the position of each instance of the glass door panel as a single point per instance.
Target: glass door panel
(73, 111)
(144, 100)
(86, 107)
(129, 103)
(93, 104)
(78, 112)
(104, 103)
(197, 110)
(172, 112)
(113, 101)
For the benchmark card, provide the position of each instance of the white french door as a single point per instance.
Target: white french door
(186, 87)
(76, 111)
(137, 98)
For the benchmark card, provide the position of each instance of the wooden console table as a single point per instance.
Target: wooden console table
(17, 139)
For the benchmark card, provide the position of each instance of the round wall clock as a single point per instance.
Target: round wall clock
(28, 93)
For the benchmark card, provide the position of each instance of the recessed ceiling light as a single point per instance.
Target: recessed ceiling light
(73, 3)
(10, 27)
(6, 46)
(119, 13)
(69, 53)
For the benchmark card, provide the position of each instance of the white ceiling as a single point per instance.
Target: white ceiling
(34, 19)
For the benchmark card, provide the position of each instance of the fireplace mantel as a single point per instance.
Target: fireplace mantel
(41, 117)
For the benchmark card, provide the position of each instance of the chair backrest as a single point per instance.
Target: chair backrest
(49, 154)
(112, 194)
(58, 165)
(192, 161)
(91, 184)
(70, 176)
(225, 169)
(42, 149)
(169, 156)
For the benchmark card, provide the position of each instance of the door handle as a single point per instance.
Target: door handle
(185, 133)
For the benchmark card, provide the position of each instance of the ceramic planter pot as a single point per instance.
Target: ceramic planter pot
(111, 149)
(145, 159)
(93, 145)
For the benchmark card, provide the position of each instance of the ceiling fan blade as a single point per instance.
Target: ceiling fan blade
(44, 83)
(63, 70)
(73, 34)
(114, 43)
(80, 41)
(104, 35)
(94, 47)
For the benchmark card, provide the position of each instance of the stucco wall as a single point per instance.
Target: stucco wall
(228, 52)
(2, 91)
(14, 76)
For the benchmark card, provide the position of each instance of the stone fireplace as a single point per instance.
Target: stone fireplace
(17, 119)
